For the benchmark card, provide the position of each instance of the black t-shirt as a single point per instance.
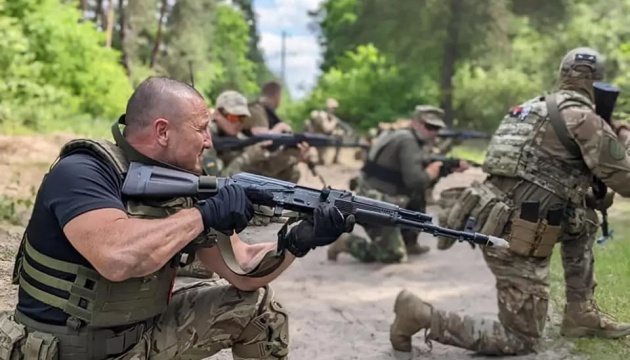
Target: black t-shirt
(79, 183)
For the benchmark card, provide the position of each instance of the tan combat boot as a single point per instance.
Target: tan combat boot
(338, 247)
(412, 315)
(585, 319)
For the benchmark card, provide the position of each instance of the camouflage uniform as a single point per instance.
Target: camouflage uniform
(206, 316)
(282, 164)
(325, 122)
(399, 155)
(528, 161)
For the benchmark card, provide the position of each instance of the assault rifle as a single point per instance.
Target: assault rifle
(448, 163)
(228, 143)
(605, 99)
(147, 181)
(462, 134)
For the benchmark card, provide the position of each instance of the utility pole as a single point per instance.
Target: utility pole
(283, 56)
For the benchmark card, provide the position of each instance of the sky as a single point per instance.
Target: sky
(302, 49)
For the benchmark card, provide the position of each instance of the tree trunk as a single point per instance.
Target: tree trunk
(449, 59)
(110, 24)
(122, 23)
(98, 11)
(83, 6)
(158, 37)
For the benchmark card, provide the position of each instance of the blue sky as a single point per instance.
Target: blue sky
(303, 52)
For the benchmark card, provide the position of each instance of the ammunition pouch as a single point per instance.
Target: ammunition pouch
(537, 239)
(16, 342)
(11, 335)
(480, 201)
(51, 342)
(483, 202)
(448, 199)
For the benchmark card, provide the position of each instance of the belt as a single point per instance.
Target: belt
(89, 343)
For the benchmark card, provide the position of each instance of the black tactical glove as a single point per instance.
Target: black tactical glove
(325, 227)
(231, 208)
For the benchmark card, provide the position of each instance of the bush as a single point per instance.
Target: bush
(55, 68)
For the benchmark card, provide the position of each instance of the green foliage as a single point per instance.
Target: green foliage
(232, 41)
(369, 88)
(506, 53)
(55, 68)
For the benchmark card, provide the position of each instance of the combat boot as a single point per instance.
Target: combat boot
(585, 319)
(417, 249)
(338, 247)
(412, 315)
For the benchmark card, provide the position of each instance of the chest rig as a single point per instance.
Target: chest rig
(516, 149)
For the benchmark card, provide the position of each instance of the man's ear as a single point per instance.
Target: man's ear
(161, 128)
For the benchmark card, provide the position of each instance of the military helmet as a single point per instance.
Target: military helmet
(582, 63)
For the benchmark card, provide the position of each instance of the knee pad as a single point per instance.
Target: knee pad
(267, 335)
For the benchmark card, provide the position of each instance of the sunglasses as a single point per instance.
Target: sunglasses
(235, 118)
(432, 127)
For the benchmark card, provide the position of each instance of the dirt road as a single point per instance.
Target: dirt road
(339, 310)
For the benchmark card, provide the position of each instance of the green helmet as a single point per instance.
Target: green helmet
(582, 63)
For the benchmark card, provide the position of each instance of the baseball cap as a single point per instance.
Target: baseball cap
(233, 103)
(430, 115)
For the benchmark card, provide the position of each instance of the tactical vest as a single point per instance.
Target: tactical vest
(93, 299)
(515, 150)
(373, 167)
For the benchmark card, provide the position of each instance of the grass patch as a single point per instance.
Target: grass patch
(612, 272)
(470, 150)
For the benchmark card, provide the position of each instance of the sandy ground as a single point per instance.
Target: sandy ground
(339, 310)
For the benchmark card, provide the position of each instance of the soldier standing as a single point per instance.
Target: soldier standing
(541, 162)
(326, 122)
(396, 171)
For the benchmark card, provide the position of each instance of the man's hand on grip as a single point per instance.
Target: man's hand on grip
(228, 211)
(326, 226)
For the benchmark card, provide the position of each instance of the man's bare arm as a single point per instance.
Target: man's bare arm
(120, 247)
(248, 257)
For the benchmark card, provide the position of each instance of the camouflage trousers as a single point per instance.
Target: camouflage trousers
(578, 260)
(385, 244)
(206, 316)
(522, 285)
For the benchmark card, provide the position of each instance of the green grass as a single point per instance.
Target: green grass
(471, 150)
(612, 272)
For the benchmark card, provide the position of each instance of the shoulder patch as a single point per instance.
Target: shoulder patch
(617, 150)
(524, 112)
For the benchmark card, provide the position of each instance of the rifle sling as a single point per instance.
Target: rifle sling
(269, 263)
(560, 127)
